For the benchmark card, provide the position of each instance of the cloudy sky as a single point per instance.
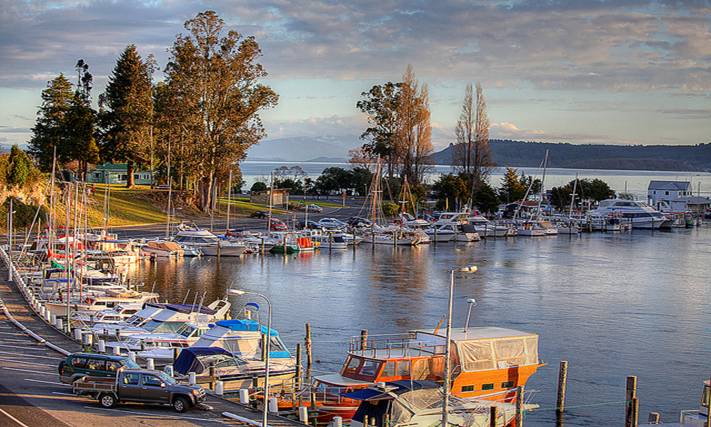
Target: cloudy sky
(622, 72)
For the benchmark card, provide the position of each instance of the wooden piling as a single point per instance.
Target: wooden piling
(211, 372)
(519, 406)
(630, 399)
(708, 407)
(297, 384)
(562, 385)
(363, 340)
(309, 355)
(493, 415)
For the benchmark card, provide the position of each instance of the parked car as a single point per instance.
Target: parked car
(140, 385)
(332, 223)
(278, 225)
(79, 365)
(312, 225)
(259, 214)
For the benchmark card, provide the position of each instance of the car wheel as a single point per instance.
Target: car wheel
(181, 404)
(107, 400)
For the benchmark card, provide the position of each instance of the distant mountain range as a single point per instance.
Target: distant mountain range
(594, 156)
(334, 149)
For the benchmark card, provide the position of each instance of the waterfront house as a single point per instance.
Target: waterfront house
(675, 196)
(117, 173)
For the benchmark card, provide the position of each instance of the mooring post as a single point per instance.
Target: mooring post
(519, 406)
(654, 418)
(630, 399)
(363, 339)
(562, 384)
(493, 415)
(708, 406)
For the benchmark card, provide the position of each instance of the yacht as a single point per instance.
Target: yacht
(208, 244)
(637, 214)
(489, 229)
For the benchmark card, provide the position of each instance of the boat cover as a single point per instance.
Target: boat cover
(246, 325)
(189, 358)
(189, 308)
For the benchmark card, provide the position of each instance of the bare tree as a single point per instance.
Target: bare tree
(472, 152)
(413, 142)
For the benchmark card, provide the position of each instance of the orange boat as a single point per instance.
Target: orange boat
(487, 363)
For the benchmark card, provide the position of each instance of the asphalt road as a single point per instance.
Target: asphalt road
(32, 396)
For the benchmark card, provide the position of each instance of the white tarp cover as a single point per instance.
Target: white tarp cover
(498, 353)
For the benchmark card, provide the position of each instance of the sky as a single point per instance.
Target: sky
(614, 72)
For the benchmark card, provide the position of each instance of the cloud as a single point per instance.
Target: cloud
(623, 45)
(317, 126)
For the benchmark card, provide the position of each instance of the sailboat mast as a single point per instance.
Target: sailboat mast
(229, 200)
(271, 195)
(572, 197)
(67, 209)
(50, 219)
(170, 195)
(543, 183)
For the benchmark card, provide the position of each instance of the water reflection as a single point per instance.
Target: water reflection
(611, 304)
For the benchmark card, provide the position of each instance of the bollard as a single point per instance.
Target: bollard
(76, 333)
(87, 340)
(168, 369)
(304, 414)
(562, 384)
(102, 346)
(191, 378)
(219, 388)
(273, 405)
(150, 365)
(132, 356)
(60, 324)
(116, 351)
(337, 422)
(244, 396)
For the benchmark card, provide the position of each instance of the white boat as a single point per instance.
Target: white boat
(530, 229)
(98, 301)
(208, 244)
(487, 228)
(548, 227)
(637, 214)
(117, 314)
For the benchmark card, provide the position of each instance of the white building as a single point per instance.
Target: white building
(675, 196)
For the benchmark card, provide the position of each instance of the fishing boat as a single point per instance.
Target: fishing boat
(492, 363)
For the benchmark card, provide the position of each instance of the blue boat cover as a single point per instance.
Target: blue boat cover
(188, 360)
(401, 386)
(247, 325)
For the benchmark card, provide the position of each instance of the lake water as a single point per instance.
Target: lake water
(634, 182)
(611, 304)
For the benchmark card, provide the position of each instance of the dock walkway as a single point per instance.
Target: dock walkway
(23, 356)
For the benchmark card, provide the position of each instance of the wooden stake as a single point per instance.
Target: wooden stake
(309, 356)
(630, 396)
(493, 415)
(363, 339)
(562, 383)
(654, 418)
(708, 407)
(519, 406)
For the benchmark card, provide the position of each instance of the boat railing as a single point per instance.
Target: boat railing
(403, 344)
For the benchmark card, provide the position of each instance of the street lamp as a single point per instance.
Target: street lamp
(267, 348)
(447, 362)
(471, 302)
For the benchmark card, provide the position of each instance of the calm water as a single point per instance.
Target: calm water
(634, 182)
(613, 305)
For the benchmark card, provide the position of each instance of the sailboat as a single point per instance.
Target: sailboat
(534, 227)
(394, 235)
(570, 227)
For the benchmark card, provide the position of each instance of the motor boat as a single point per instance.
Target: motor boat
(162, 249)
(488, 228)
(208, 243)
(637, 214)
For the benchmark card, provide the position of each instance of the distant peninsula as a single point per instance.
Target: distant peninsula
(594, 156)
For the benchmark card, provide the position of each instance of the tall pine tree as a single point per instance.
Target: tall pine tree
(80, 122)
(126, 112)
(50, 128)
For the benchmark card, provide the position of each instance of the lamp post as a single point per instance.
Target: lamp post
(448, 345)
(267, 348)
(471, 302)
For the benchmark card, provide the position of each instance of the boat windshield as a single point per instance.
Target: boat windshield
(159, 327)
(186, 330)
(361, 368)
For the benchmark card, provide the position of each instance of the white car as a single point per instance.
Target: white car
(314, 208)
(332, 224)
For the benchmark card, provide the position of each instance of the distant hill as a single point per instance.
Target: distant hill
(594, 156)
(304, 148)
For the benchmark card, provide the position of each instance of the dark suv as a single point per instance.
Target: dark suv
(79, 365)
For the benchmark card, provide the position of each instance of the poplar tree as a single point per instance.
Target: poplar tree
(80, 122)
(472, 152)
(126, 112)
